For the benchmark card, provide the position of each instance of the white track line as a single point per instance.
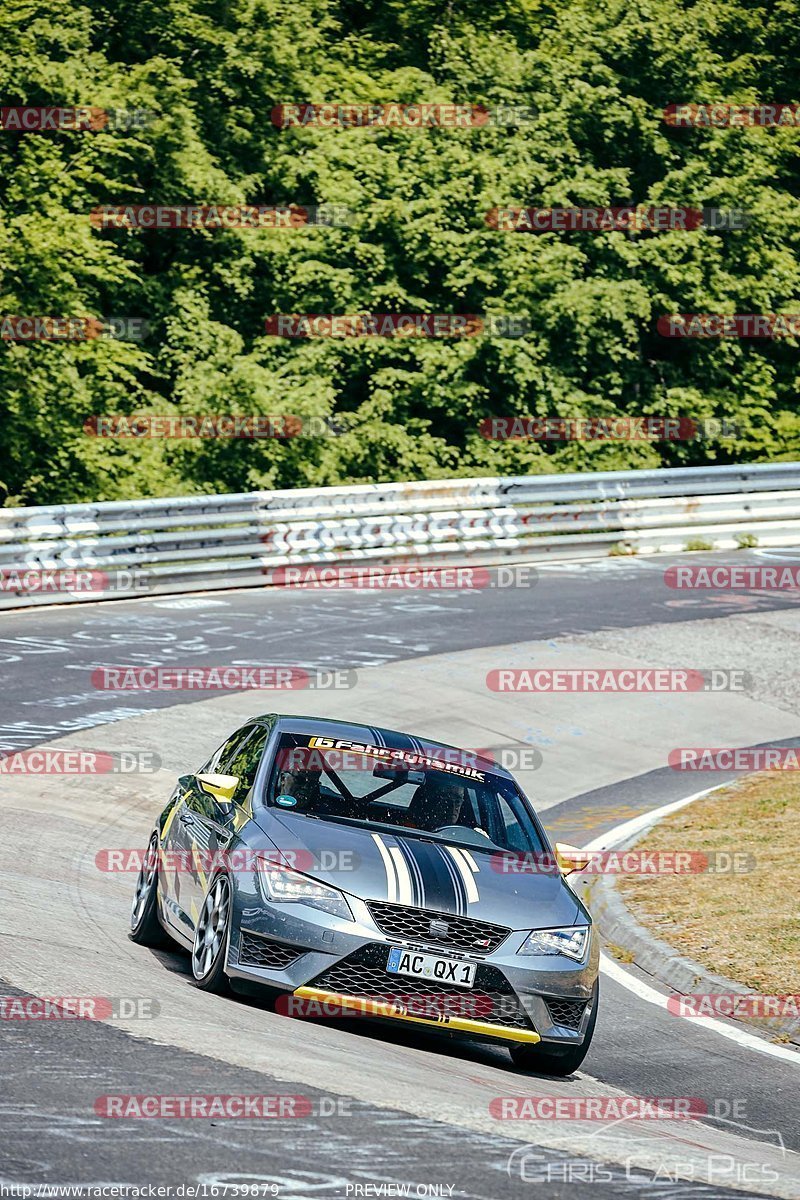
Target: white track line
(644, 991)
(620, 832)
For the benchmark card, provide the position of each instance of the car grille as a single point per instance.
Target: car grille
(567, 1013)
(491, 999)
(414, 924)
(258, 951)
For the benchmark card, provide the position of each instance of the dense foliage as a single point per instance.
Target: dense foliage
(211, 72)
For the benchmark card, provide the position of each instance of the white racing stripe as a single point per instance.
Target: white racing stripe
(391, 875)
(403, 874)
(465, 871)
(468, 856)
(644, 991)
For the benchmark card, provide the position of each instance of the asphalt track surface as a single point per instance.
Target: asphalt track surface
(46, 656)
(53, 1070)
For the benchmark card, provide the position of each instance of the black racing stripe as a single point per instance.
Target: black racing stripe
(440, 888)
(404, 742)
(458, 881)
(418, 885)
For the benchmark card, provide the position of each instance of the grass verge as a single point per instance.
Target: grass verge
(744, 925)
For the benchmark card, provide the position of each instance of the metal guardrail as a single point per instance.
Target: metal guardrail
(194, 543)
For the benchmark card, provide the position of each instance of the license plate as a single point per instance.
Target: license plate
(430, 966)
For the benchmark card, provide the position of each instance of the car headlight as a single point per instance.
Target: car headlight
(280, 884)
(571, 941)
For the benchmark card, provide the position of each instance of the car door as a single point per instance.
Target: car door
(210, 824)
(182, 884)
(176, 845)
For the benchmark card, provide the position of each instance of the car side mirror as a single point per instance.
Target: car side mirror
(221, 787)
(571, 858)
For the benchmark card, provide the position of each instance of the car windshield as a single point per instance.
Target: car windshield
(444, 793)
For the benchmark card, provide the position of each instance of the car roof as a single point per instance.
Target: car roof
(373, 734)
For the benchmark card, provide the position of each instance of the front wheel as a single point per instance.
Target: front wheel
(557, 1061)
(211, 938)
(145, 926)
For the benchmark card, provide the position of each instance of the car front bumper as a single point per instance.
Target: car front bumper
(330, 962)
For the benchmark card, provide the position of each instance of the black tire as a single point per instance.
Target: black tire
(557, 1061)
(145, 926)
(211, 936)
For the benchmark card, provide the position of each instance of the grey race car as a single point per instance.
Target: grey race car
(360, 870)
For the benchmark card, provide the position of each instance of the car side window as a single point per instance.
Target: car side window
(244, 762)
(218, 763)
(514, 837)
(513, 834)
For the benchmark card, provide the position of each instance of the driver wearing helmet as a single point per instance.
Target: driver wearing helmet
(303, 785)
(444, 800)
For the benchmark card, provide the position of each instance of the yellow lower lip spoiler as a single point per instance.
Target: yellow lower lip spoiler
(396, 1012)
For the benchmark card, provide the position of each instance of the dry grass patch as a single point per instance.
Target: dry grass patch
(746, 925)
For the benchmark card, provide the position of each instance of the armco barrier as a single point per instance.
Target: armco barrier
(205, 542)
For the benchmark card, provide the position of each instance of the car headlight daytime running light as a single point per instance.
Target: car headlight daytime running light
(572, 941)
(280, 884)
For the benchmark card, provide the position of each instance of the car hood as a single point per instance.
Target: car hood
(375, 864)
